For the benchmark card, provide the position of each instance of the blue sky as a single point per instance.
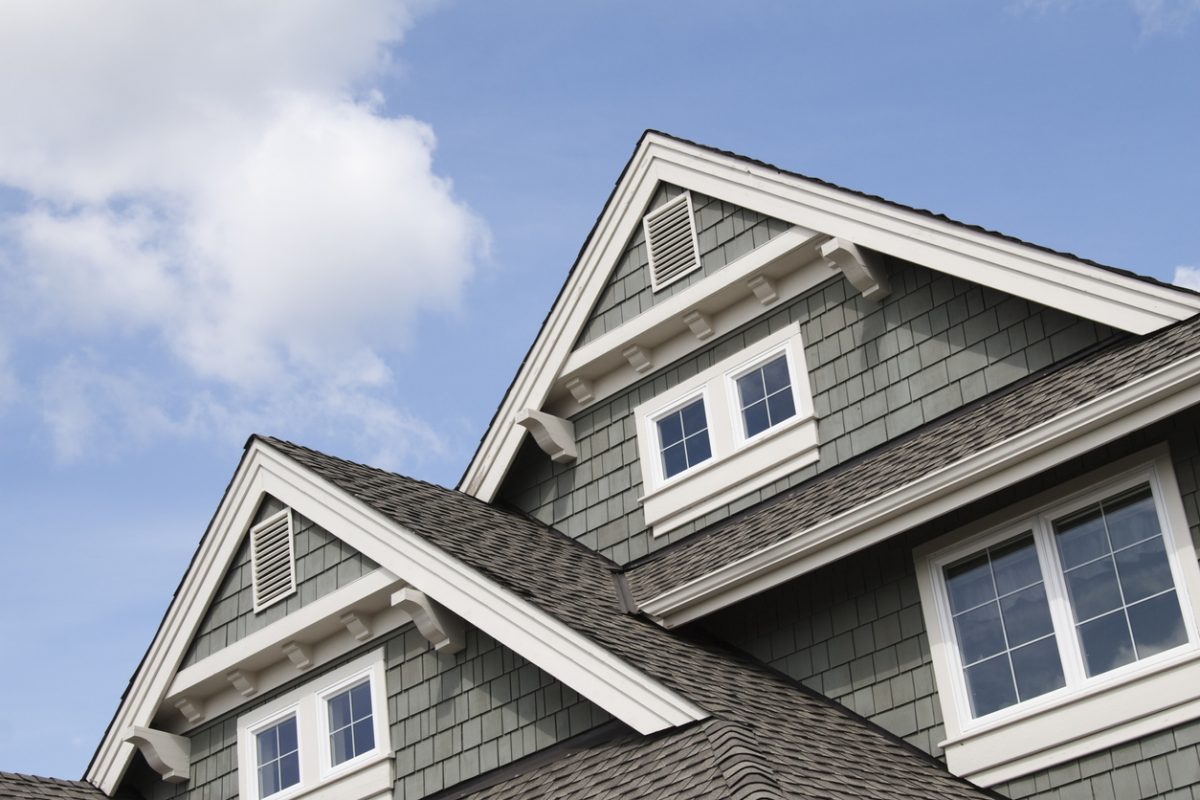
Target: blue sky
(344, 227)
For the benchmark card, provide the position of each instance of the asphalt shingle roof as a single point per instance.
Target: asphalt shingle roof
(808, 745)
(941, 443)
(14, 786)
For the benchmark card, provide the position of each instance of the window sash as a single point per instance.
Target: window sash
(1041, 524)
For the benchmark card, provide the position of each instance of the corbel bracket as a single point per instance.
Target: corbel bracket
(863, 271)
(638, 357)
(244, 681)
(581, 390)
(192, 710)
(357, 624)
(555, 435)
(299, 654)
(699, 323)
(167, 754)
(441, 627)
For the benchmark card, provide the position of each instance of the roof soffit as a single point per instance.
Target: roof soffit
(1056, 280)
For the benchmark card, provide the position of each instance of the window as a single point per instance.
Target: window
(765, 396)
(1075, 613)
(737, 426)
(305, 742)
(278, 757)
(683, 438)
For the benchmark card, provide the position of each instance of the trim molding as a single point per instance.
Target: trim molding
(1135, 405)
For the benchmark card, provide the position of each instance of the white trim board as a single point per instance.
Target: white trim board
(1103, 419)
(607, 680)
(1024, 270)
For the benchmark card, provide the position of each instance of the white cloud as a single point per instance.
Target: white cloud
(218, 179)
(1154, 16)
(1187, 277)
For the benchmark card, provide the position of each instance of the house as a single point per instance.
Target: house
(798, 493)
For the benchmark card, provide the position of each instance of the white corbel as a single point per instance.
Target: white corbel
(358, 624)
(699, 323)
(244, 681)
(863, 271)
(299, 654)
(441, 627)
(167, 754)
(638, 357)
(555, 435)
(763, 289)
(193, 711)
(581, 390)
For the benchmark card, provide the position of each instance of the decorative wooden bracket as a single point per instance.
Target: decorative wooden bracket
(638, 357)
(581, 390)
(358, 624)
(167, 754)
(299, 654)
(192, 711)
(441, 627)
(763, 289)
(864, 272)
(555, 435)
(243, 681)
(700, 324)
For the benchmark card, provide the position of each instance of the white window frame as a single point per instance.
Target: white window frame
(366, 775)
(738, 465)
(1087, 714)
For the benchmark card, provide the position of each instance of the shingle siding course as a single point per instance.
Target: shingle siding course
(877, 371)
(323, 564)
(724, 233)
(855, 632)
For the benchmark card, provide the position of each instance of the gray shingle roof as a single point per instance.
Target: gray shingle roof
(942, 443)
(14, 786)
(806, 743)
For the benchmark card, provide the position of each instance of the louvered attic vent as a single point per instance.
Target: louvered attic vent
(671, 241)
(273, 559)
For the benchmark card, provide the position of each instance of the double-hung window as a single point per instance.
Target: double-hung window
(1086, 594)
(307, 741)
(744, 422)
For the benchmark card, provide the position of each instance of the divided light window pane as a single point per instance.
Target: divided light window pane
(351, 726)
(1119, 581)
(278, 758)
(766, 396)
(1002, 625)
(683, 438)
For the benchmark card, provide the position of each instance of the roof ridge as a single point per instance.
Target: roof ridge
(740, 759)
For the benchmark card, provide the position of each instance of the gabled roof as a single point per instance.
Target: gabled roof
(1116, 297)
(806, 743)
(682, 580)
(14, 786)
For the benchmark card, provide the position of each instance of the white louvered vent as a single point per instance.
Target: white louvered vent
(273, 559)
(671, 241)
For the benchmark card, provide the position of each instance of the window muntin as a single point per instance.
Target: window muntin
(351, 723)
(1103, 562)
(1003, 627)
(683, 438)
(1119, 581)
(765, 396)
(278, 750)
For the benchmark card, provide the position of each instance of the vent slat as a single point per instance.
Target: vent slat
(670, 232)
(273, 560)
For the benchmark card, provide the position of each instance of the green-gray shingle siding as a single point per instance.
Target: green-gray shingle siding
(724, 233)
(877, 371)
(323, 564)
(854, 631)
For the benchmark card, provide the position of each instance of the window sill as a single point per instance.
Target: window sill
(1079, 724)
(707, 487)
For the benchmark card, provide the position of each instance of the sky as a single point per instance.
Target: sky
(342, 224)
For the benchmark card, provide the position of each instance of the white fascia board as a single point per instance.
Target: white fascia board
(1024, 270)
(1140, 403)
(607, 680)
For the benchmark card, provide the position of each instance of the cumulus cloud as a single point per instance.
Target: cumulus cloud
(1187, 277)
(219, 180)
